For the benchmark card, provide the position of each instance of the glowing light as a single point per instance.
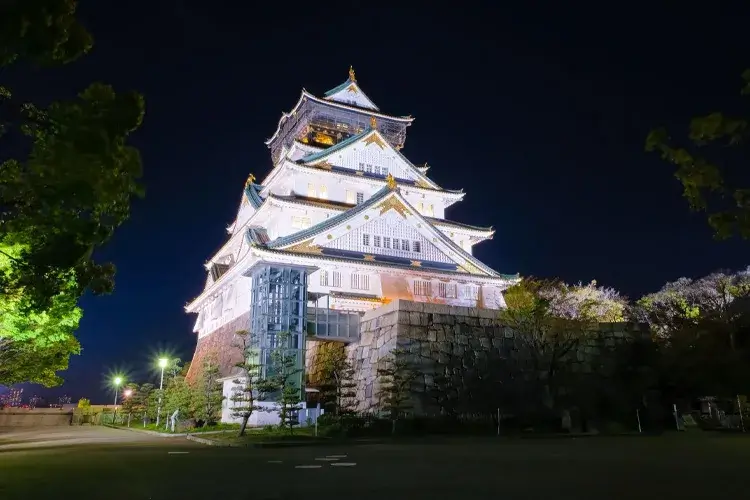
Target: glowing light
(117, 381)
(163, 362)
(128, 393)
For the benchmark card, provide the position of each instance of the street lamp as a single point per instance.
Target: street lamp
(117, 381)
(162, 364)
(127, 393)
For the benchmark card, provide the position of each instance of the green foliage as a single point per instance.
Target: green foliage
(249, 387)
(396, 377)
(704, 184)
(208, 393)
(84, 403)
(178, 395)
(337, 382)
(62, 200)
(285, 376)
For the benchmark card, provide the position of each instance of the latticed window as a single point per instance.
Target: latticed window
(396, 243)
(361, 166)
(351, 197)
(323, 278)
(430, 210)
(366, 239)
(405, 245)
(470, 292)
(386, 242)
(360, 282)
(311, 193)
(417, 247)
(360, 197)
(336, 281)
(376, 240)
(447, 290)
(324, 192)
(422, 288)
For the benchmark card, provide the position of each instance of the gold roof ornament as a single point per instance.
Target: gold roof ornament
(373, 123)
(351, 74)
(391, 182)
(250, 180)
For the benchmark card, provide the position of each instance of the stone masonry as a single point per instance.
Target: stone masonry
(441, 333)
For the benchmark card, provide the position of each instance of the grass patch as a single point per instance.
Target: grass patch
(198, 430)
(269, 435)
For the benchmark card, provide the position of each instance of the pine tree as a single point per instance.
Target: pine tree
(396, 379)
(249, 387)
(208, 393)
(338, 385)
(177, 396)
(286, 378)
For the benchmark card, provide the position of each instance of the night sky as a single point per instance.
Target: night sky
(538, 112)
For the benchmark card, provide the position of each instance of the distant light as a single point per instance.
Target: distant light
(128, 393)
(163, 362)
(118, 380)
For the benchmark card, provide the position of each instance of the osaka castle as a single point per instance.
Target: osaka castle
(343, 223)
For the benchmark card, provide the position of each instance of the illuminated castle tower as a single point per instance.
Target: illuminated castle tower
(342, 223)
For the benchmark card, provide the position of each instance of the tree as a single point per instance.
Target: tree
(284, 376)
(704, 182)
(702, 327)
(337, 377)
(396, 377)
(178, 396)
(249, 386)
(551, 320)
(208, 393)
(63, 197)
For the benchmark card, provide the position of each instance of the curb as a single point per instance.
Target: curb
(282, 444)
(160, 434)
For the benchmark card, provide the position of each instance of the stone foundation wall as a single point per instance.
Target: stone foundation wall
(456, 338)
(315, 351)
(220, 344)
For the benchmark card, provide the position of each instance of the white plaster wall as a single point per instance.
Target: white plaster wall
(231, 301)
(267, 416)
(314, 283)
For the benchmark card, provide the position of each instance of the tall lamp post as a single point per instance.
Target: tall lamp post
(117, 381)
(162, 364)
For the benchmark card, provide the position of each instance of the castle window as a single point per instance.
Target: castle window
(366, 240)
(336, 282)
(422, 288)
(405, 245)
(376, 240)
(324, 192)
(323, 278)
(360, 282)
(470, 292)
(321, 138)
(360, 198)
(311, 193)
(417, 247)
(351, 197)
(396, 244)
(386, 242)
(361, 166)
(430, 210)
(300, 222)
(447, 290)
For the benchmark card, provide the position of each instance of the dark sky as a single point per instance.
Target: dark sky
(539, 112)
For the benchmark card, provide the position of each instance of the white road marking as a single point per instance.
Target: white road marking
(274, 461)
(336, 456)
(178, 452)
(344, 464)
(327, 459)
(308, 466)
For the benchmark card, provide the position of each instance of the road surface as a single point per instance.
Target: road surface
(115, 464)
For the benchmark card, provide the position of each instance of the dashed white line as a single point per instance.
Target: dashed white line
(336, 456)
(326, 459)
(178, 452)
(275, 461)
(308, 466)
(344, 464)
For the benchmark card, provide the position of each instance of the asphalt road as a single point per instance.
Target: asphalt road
(112, 464)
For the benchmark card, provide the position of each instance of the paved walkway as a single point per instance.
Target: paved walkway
(18, 438)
